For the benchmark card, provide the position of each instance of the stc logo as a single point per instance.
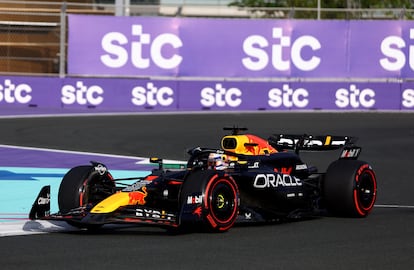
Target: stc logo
(393, 49)
(257, 59)
(408, 98)
(288, 97)
(152, 96)
(82, 94)
(355, 97)
(11, 93)
(117, 56)
(220, 96)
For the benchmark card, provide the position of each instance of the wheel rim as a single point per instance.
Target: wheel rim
(95, 189)
(366, 192)
(223, 202)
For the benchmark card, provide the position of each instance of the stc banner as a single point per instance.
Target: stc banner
(252, 48)
(46, 95)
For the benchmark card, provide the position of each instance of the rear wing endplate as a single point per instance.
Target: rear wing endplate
(350, 152)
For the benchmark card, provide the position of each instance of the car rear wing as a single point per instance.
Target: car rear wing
(310, 142)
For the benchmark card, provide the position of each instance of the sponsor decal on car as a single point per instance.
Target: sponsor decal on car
(270, 180)
(136, 186)
(287, 170)
(301, 167)
(195, 199)
(350, 153)
(101, 169)
(198, 211)
(154, 214)
(138, 197)
(44, 200)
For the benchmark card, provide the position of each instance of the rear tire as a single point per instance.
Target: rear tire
(350, 188)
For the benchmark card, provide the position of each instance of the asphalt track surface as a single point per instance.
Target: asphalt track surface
(384, 240)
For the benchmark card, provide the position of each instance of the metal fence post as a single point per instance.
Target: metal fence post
(62, 42)
(319, 9)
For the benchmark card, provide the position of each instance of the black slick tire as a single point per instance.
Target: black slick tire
(83, 186)
(350, 188)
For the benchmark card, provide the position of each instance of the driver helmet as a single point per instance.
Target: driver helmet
(217, 161)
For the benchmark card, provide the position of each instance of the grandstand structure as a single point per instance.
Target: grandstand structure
(31, 38)
(33, 33)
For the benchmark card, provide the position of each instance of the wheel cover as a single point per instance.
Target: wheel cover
(94, 189)
(222, 203)
(365, 192)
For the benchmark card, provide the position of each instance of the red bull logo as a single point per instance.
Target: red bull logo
(284, 170)
(138, 197)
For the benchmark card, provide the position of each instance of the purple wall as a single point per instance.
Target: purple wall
(25, 95)
(159, 46)
(144, 47)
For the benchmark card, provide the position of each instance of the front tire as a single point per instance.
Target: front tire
(84, 187)
(350, 188)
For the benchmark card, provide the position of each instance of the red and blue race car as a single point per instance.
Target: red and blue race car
(248, 179)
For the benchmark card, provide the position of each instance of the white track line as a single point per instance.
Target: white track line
(161, 113)
(141, 160)
(68, 151)
(394, 206)
(27, 227)
(33, 227)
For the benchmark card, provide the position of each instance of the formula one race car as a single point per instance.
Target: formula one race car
(249, 179)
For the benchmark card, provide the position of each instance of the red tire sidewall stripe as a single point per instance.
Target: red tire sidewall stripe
(82, 193)
(363, 211)
(85, 183)
(207, 202)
